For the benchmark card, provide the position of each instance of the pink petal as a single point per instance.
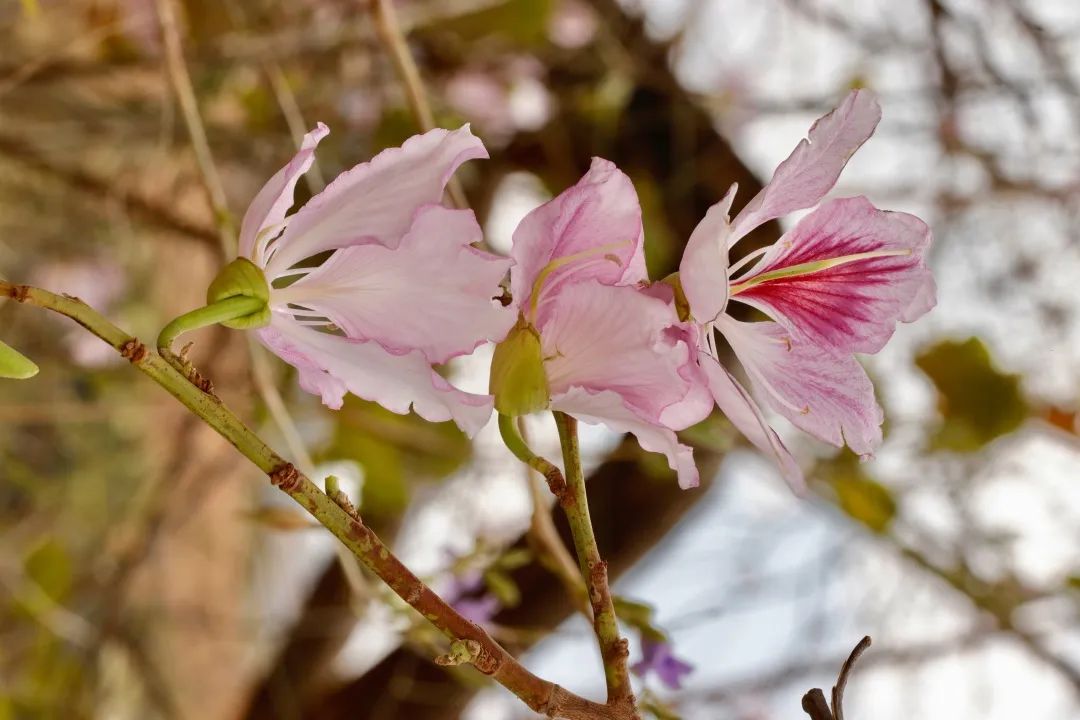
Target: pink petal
(703, 272)
(746, 416)
(433, 293)
(376, 201)
(603, 337)
(599, 218)
(824, 393)
(268, 208)
(331, 365)
(605, 407)
(852, 306)
(814, 166)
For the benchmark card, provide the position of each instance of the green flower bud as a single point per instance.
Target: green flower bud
(242, 278)
(518, 380)
(14, 365)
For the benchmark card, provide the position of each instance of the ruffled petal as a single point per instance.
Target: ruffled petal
(433, 293)
(703, 272)
(823, 393)
(331, 365)
(268, 208)
(854, 305)
(605, 407)
(743, 412)
(814, 166)
(603, 337)
(597, 222)
(377, 200)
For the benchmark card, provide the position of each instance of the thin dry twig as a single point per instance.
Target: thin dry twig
(814, 703)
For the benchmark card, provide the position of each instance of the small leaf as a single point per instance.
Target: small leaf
(14, 365)
(978, 402)
(638, 615)
(503, 587)
(860, 496)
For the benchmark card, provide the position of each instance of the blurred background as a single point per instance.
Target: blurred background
(146, 571)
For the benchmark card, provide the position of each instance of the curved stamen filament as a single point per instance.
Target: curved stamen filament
(743, 262)
(554, 265)
(813, 267)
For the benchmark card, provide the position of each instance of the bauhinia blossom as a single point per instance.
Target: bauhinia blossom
(834, 285)
(373, 280)
(605, 350)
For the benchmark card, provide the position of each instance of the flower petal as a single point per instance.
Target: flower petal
(746, 416)
(824, 393)
(853, 306)
(268, 208)
(603, 337)
(703, 272)
(331, 365)
(605, 407)
(433, 293)
(814, 166)
(376, 200)
(598, 219)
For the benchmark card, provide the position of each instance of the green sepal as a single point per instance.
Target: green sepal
(518, 380)
(14, 365)
(242, 278)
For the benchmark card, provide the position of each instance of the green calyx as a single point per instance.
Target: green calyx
(518, 380)
(242, 278)
(14, 365)
(682, 305)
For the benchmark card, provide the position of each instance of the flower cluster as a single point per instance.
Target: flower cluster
(374, 282)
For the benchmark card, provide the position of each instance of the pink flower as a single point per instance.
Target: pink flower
(613, 352)
(402, 287)
(834, 285)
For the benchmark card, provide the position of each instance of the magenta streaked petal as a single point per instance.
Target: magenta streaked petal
(331, 365)
(814, 166)
(433, 293)
(743, 412)
(824, 393)
(605, 407)
(275, 198)
(597, 221)
(703, 272)
(852, 306)
(603, 337)
(376, 201)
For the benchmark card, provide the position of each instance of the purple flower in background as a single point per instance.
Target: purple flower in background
(479, 610)
(657, 658)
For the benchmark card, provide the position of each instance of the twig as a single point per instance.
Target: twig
(489, 657)
(391, 36)
(180, 80)
(814, 703)
(575, 504)
(845, 672)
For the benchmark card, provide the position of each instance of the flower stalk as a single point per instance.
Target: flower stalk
(613, 648)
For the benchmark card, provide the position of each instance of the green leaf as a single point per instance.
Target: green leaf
(14, 365)
(503, 587)
(860, 496)
(638, 615)
(978, 402)
(514, 558)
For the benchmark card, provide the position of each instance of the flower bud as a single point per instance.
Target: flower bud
(518, 381)
(14, 365)
(242, 278)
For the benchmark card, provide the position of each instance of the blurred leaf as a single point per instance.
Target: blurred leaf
(503, 587)
(281, 518)
(978, 402)
(14, 365)
(49, 565)
(638, 615)
(859, 495)
(514, 559)
(521, 22)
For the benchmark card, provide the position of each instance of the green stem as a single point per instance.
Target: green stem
(212, 314)
(554, 477)
(594, 569)
(489, 657)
